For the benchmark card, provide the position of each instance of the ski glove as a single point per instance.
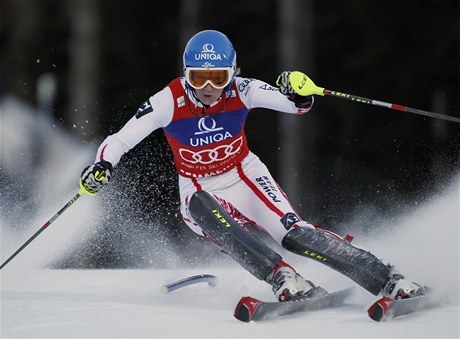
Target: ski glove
(297, 87)
(96, 176)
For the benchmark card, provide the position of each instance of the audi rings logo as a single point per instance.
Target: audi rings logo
(208, 156)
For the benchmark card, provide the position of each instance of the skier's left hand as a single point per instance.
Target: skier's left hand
(298, 87)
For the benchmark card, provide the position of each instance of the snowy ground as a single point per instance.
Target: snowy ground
(44, 303)
(129, 304)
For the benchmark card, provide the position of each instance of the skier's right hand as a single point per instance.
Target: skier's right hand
(96, 176)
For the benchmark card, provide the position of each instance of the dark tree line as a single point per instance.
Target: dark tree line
(341, 160)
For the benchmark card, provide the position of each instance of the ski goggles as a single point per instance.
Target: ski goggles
(198, 78)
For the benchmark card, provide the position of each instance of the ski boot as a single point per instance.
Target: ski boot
(398, 287)
(288, 285)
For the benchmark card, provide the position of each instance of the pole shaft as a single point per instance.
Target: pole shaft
(373, 102)
(45, 225)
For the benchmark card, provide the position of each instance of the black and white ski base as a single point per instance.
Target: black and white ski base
(385, 308)
(251, 309)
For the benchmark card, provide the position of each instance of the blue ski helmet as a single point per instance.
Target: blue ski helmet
(210, 49)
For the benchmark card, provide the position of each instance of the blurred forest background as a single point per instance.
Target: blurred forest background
(89, 64)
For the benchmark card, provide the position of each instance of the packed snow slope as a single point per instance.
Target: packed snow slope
(129, 304)
(44, 303)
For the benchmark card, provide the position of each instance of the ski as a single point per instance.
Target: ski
(252, 309)
(387, 308)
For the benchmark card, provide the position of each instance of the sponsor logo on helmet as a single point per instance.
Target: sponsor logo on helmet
(208, 48)
(208, 64)
(208, 53)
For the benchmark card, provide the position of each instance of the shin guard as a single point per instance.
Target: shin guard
(357, 264)
(255, 256)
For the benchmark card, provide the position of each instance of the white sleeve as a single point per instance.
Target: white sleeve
(256, 93)
(154, 113)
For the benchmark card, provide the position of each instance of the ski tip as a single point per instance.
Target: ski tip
(242, 313)
(378, 311)
(246, 308)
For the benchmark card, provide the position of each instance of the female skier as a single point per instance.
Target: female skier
(203, 114)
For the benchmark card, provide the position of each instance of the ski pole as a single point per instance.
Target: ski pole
(307, 86)
(389, 105)
(209, 278)
(53, 218)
